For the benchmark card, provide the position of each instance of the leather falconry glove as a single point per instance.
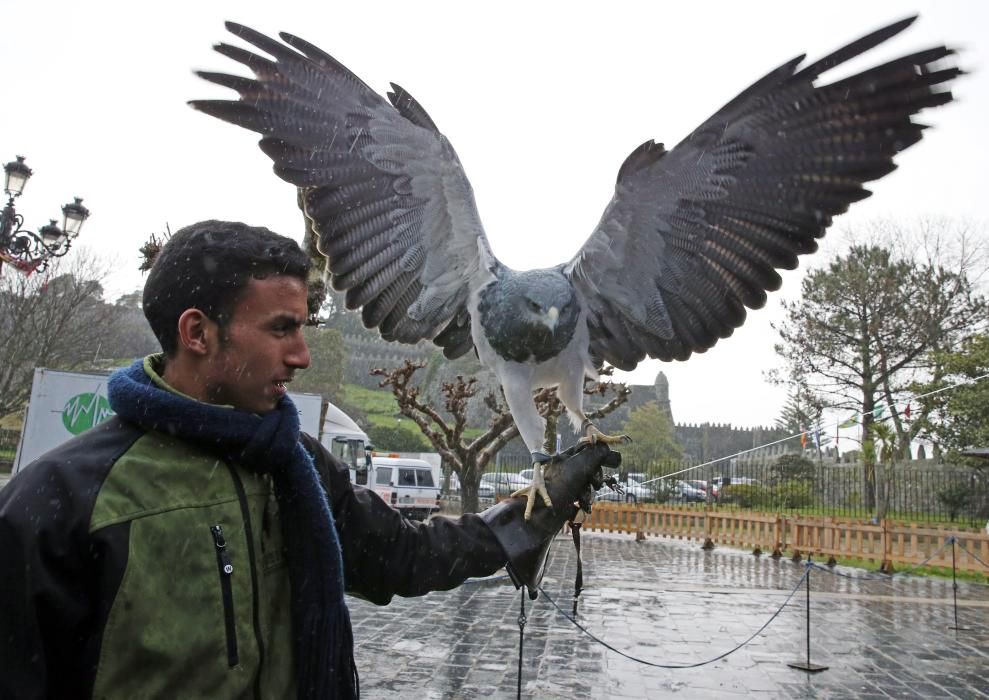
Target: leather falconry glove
(576, 474)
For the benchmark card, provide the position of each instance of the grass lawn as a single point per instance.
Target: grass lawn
(375, 403)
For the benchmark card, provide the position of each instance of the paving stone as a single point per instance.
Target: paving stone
(669, 603)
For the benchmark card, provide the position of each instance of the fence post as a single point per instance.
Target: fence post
(639, 535)
(797, 527)
(708, 542)
(887, 562)
(778, 537)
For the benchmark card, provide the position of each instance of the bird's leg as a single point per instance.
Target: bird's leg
(593, 436)
(538, 486)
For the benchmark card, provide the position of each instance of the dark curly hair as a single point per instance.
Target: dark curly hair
(206, 266)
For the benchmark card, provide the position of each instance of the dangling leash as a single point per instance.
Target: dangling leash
(583, 510)
(522, 621)
(578, 584)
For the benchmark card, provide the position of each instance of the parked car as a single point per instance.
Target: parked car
(722, 481)
(505, 483)
(633, 492)
(650, 488)
(406, 484)
(709, 489)
(485, 492)
(685, 492)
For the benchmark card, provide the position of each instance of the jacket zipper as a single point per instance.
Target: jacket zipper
(245, 512)
(226, 571)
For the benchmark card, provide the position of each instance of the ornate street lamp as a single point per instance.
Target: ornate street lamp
(26, 250)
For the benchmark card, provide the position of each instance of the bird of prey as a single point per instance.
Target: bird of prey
(691, 238)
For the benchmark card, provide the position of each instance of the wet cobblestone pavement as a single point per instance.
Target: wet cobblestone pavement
(669, 602)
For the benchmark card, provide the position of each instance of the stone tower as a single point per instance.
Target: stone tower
(662, 387)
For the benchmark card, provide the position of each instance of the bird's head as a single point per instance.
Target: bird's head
(529, 315)
(542, 298)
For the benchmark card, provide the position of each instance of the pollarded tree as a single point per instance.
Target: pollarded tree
(446, 428)
(868, 328)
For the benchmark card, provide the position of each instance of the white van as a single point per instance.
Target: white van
(406, 484)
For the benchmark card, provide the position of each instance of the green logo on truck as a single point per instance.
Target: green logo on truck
(84, 411)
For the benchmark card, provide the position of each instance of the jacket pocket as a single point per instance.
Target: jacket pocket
(226, 570)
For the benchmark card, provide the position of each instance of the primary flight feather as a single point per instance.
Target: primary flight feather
(691, 238)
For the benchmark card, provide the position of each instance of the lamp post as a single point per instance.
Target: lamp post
(26, 250)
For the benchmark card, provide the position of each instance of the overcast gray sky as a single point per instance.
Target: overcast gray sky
(542, 101)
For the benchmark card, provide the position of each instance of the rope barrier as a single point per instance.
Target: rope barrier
(677, 666)
(971, 554)
(808, 566)
(886, 577)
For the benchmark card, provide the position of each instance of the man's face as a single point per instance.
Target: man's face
(261, 347)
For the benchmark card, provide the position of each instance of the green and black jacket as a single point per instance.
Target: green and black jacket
(133, 565)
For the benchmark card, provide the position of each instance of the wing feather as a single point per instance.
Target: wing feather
(694, 236)
(385, 192)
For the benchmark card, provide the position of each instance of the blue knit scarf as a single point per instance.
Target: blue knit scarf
(269, 444)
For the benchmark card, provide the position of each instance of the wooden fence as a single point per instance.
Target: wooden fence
(890, 544)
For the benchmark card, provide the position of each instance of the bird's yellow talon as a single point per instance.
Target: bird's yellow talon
(535, 490)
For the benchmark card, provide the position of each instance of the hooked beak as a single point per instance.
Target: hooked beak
(552, 316)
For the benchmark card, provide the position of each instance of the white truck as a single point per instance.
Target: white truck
(345, 439)
(64, 404)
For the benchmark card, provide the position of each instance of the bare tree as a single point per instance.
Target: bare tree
(54, 320)
(470, 457)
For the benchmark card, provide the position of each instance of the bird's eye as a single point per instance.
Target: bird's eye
(534, 306)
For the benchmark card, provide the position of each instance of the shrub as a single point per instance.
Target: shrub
(744, 495)
(791, 467)
(955, 498)
(793, 494)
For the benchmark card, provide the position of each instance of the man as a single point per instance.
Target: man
(197, 544)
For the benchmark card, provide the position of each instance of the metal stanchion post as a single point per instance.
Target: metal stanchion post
(954, 589)
(807, 665)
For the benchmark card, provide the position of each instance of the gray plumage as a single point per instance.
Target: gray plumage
(692, 237)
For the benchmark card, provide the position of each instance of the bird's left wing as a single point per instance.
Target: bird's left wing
(385, 191)
(693, 236)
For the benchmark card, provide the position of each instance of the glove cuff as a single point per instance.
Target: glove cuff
(526, 542)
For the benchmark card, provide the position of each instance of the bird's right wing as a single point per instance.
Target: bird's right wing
(385, 191)
(694, 236)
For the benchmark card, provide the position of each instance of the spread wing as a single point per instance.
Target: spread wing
(694, 236)
(385, 191)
